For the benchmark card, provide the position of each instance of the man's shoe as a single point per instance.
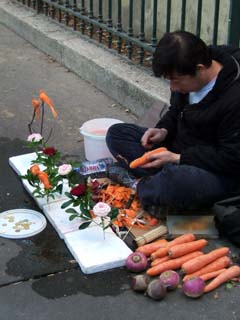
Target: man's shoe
(120, 175)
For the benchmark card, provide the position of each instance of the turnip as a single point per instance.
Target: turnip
(140, 282)
(156, 290)
(136, 262)
(170, 279)
(193, 287)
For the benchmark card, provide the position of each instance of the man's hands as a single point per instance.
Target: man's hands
(153, 136)
(161, 158)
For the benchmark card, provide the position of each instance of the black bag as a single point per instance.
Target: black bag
(227, 218)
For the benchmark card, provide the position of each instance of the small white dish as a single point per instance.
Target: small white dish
(21, 223)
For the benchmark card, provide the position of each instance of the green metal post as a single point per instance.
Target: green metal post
(90, 15)
(109, 23)
(52, 10)
(34, 4)
(45, 8)
(168, 22)
(234, 23)
(142, 32)
(130, 29)
(183, 15)
(154, 27)
(100, 19)
(39, 6)
(119, 25)
(74, 8)
(199, 18)
(59, 11)
(83, 12)
(216, 19)
(66, 15)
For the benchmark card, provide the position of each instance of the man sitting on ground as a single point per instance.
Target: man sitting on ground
(201, 129)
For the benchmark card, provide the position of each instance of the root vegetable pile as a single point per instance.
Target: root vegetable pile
(202, 272)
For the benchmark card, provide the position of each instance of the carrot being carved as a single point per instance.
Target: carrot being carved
(145, 158)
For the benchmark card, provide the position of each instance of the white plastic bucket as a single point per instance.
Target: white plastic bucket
(94, 133)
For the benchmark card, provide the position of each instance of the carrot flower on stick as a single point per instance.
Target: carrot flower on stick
(45, 99)
(39, 110)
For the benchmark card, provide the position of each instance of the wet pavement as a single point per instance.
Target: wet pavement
(39, 278)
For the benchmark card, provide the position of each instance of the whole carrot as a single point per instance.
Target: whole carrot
(182, 249)
(211, 275)
(187, 237)
(149, 248)
(45, 98)
(223, 277)
(217, 264)
(161, 252)
(159, 260)
(172, 264)
(200, 262)
(144, 158)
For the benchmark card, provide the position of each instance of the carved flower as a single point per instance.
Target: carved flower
(101, 209)
(35, 137)
(64, 169)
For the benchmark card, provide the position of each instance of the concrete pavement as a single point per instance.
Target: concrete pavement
(131, 86)
(38, 278)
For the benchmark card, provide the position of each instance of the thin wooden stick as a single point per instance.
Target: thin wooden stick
(31, 122)
(42, 106)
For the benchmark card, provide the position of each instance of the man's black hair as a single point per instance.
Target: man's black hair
(179, 53)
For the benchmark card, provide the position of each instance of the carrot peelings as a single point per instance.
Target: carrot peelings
(223, 277)
(200, 262)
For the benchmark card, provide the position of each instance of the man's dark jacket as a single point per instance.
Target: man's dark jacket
(207, 134)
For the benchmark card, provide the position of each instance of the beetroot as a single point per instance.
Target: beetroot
(140, 282)
(156, 290)
(136, 262)
(193, 287)
(170, 279)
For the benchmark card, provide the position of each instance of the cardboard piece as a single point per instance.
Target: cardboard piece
(201, 225)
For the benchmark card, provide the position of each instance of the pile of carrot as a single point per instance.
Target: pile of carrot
(185, 253)
(126, 201)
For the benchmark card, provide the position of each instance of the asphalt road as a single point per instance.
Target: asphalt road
(38, 278)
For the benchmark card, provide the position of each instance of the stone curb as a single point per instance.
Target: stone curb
(129, 85)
